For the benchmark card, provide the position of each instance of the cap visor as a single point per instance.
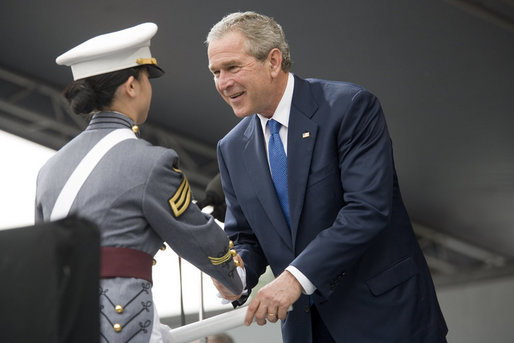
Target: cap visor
(154, 71)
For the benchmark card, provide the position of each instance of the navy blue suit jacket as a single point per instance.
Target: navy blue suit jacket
(350, 233)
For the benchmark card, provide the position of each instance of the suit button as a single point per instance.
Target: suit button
(306, 308)
(340, 276)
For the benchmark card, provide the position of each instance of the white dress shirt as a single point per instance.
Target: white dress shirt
(282, 116)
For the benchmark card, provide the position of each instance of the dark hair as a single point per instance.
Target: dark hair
(94, 93)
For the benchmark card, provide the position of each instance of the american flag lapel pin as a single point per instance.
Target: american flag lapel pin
(306, 134)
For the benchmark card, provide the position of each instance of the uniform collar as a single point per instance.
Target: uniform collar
(110, 120)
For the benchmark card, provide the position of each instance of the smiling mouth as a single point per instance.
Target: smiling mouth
(235, 96)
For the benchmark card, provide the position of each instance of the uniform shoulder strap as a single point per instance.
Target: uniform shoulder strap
(85, 167)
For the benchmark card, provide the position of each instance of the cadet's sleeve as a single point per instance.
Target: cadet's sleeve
(38, 214)
(191, 233)
(38, 210)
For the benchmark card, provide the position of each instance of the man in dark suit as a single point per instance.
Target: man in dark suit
(328, 218)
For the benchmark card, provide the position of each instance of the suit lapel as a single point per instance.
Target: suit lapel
(302, 133)
(256, 163)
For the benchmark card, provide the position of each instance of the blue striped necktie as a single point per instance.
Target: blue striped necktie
(278, 164)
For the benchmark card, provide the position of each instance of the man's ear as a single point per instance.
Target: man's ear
(275, 61)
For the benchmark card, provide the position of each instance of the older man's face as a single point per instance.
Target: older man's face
(244, 82)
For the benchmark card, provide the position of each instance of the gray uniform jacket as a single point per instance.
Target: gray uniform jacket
(128, 196)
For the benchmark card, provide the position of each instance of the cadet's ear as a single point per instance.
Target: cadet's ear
(129, 87)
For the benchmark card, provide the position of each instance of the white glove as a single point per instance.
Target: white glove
(242, 275)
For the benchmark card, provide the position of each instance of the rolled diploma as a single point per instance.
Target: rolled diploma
(208, 327)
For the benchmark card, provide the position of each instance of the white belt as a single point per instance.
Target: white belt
(80, 174)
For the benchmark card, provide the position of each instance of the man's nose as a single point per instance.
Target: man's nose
(224, 80)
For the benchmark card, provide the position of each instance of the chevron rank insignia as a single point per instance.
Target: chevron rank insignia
(180, 201)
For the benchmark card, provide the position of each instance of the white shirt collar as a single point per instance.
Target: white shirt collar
(284, 106)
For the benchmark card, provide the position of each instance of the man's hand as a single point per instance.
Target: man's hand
(225, 293)
(273, 300)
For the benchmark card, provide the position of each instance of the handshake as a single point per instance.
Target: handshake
(273, 301)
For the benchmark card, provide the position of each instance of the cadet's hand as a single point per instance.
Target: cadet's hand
(273, 300)
(224, 292)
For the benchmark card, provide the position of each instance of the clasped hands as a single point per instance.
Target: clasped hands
(271, 302)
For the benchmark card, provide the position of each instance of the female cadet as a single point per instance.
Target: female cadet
(133, 191)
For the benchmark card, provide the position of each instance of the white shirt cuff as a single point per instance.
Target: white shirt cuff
(308, 287)
(242, 275)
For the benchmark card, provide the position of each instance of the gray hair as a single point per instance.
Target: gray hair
(262, 33)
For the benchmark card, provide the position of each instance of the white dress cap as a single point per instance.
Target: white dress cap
(113, 51)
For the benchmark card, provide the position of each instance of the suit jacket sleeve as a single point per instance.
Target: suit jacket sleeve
(367, 177)
(239, 230)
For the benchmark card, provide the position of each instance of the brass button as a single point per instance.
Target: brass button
(135, 128)
(230, 244)
(236, 263)
(154, 262)
(233, 252)
(163, 247)
(118, 308)
(117, 327)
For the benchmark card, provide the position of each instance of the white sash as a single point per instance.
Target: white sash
(80, 174)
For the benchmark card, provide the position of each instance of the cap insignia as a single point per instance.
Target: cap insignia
(146, 61)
